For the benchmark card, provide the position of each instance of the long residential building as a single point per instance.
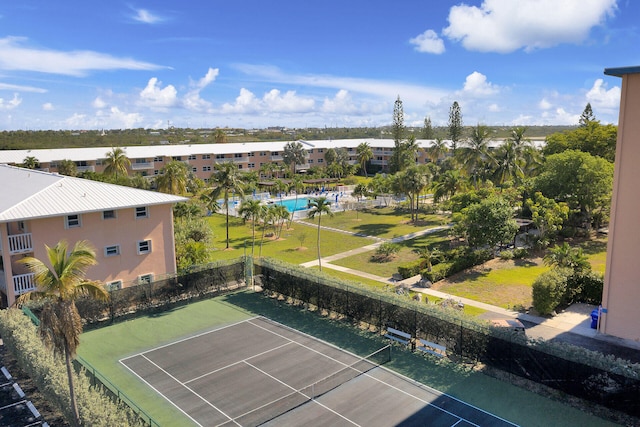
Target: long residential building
(130, 229)
(149, 160)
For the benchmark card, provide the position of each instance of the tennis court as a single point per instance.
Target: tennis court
(259, 372)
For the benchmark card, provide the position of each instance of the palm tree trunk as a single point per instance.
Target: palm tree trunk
(226, 202)
(318, 244)
(72, 394)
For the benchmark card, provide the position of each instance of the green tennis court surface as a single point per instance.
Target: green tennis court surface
(260, 372)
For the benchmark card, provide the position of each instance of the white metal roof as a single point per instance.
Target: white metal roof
(29, 194)
(151, 151)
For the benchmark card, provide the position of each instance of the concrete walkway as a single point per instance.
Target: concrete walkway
(568, 325)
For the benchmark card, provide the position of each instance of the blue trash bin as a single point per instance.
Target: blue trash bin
(594, 318)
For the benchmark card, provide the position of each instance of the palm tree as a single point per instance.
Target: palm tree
(567, 257)
(447, 185)
(226, 179)
(294, 154)
(319, 206)
(476, 152)
(297, 185)
(60, 285)
(437, 150)
(30, 162)
(116, 162)
(174, 178)
(364, 154)
(250, 210)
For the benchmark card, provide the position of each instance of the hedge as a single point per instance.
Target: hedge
(50, 376)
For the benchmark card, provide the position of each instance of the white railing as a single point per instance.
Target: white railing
(86, 168)
(20, 243)
(276, 158)
(23, 283)
(144, 165)
(240, 159)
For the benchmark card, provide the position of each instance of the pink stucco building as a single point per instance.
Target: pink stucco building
(130, 229)
(620, 309)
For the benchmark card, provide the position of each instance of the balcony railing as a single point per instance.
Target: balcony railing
(140, 166)
(86, 168)
(20, 243)
(240, 159)
(23, 283)
(276, 158)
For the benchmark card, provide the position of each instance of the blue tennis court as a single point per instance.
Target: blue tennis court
(259, 372)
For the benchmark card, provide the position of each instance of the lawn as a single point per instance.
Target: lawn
(296, 245)
(382, 222)
(506, 284)
(365, 262)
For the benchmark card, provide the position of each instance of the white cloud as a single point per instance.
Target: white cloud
(428, 42)
(476, 84)
(119, 119)
(10, 104)
(15, 56)
(506, 25)
(602, 98)
(560, 117)
(98, 103)
(47, 106)
(544, 104)
(192, 100)
(246, 102)
(494, 108)
(19, 88)
(289, 102)
(146, 17)
(154, 96)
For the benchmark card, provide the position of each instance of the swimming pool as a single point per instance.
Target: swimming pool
(290, 204)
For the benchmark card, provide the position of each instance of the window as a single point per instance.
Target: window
(251, 154)
(219, 156)
(251, 165)
(206, 156)
(194, 169)
(177, 158)
(114, 285)
(263, 153)
(237, 155)
(141, 161)
(320, 160)
(275, 153)
(156, 172)
(320, 150)
(145, 278)
(99, 162)
(144, 247)
(142, 212)
(206, 169)
(158, 159)
(21, 226)
(310, 161)
(239, 166)
(310, 151)
(192, 156)
(111, 250)
(72, 221)
(109, 214)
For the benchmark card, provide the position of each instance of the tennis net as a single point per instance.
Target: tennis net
(301, 396)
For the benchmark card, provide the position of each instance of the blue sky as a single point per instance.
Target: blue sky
(205, 63)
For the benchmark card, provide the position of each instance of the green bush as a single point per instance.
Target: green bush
(506, 255)
(549, 289)
(411, 269)
(520, 253)
(587, 287)
(50, 376)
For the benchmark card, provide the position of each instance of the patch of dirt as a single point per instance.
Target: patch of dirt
(301, 248)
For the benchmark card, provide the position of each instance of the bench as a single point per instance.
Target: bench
(398, 336)
(431, 348)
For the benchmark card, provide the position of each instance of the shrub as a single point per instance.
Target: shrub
(386, 251)
(507, 255)
(549, 290)
(520, 253)
(587, 287)
(411, 269)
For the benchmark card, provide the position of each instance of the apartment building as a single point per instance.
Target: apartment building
(620, 315)
(130, 229)
(250, 156)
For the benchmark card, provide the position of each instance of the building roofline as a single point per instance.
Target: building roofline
(621, 71)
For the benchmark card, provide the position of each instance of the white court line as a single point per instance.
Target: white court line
(190, 337)
(411, 381)
(295, 391)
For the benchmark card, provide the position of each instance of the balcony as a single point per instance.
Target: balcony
(86, 168)
(23, 283)
(276, 158)
(142, 165)
(20, 243)
(240, 159)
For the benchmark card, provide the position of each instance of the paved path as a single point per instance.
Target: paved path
(573, 325)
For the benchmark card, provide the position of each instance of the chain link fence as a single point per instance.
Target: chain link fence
(572, 370)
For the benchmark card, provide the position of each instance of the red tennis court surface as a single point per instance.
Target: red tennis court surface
(258, 372)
